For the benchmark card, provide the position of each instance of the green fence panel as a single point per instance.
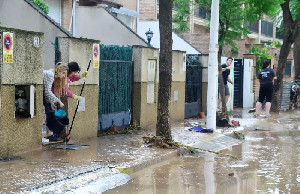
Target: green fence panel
(116, 79)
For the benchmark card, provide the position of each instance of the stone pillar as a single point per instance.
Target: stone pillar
(21, 91)
(81, 51)
(177, 101)
(145, 88)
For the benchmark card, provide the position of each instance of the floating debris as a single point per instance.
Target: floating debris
(238, 135)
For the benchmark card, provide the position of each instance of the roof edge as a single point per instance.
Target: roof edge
(108, 11)
(48, 18)
(187, 42)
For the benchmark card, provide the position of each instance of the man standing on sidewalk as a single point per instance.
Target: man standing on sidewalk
(225, 73)
(266, 78)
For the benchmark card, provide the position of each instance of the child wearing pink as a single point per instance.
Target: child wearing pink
(73, 75)
(71, 78)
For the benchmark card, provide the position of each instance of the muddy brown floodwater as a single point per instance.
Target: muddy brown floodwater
(268, 162)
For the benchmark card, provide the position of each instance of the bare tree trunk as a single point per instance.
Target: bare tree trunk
(284, 52)
(290, 29)
(163, 127)
(297, 56)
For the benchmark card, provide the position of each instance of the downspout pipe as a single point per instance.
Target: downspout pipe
(74, 18)
(138, 12)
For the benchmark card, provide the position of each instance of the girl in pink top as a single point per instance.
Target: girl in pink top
(73, 75)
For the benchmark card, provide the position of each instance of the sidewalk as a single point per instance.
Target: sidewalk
(58, 170)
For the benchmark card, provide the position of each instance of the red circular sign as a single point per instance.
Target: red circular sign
(96, 51)
(7, 42)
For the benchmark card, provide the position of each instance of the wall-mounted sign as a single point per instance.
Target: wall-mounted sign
(36, 41)
(8, 46)
(184, 62)
(175, 95)
(96, 55)
(81, 105)
(155, 54)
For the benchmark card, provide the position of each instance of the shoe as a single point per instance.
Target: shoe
(54, 137)
(255, 115)
(267, 116)
(252, 110)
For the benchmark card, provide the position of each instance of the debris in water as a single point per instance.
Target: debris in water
(201, 129)
(235, 123)
(160, 142)
(261, 129)
(238, 135)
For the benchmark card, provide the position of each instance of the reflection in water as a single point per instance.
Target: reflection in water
(209, 174)
(268, 163)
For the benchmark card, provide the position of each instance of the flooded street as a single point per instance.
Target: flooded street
(268, 162)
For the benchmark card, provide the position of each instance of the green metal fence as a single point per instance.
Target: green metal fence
(193, 85)
(116, 79)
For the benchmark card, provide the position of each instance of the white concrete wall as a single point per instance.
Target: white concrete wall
(54, 9)
(96, 23)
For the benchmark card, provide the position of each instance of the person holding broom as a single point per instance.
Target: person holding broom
(55, 83)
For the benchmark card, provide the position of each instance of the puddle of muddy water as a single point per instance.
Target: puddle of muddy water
(268, 162)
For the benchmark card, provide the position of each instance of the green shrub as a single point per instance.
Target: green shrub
(42, 5)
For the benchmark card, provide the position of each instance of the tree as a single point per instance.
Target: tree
(290, 33)
(297, 56)
(163, 127)
(295, 10)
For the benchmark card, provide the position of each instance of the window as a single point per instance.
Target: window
(253, 26)
(267, 28)
(200, 12)
(279, 33)
(288, 68)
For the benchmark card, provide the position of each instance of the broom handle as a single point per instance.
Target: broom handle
(78, 101)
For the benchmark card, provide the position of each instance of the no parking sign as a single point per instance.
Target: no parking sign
(8, 45)
(96, 55)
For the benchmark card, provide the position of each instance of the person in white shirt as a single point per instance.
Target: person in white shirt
(55, 84)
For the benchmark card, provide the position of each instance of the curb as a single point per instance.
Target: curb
(140, 166)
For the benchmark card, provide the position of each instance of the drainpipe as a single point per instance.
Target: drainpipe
(138, 12)
(73, 18)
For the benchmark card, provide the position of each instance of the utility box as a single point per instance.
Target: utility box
(24, 101)
(21, 91)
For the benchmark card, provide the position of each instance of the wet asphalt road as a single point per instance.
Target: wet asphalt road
(268, 162)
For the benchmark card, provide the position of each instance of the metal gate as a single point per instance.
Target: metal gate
(238, 83)
(193, 86)
(115, 86)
